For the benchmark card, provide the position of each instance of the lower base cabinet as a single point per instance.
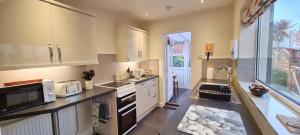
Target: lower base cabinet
(146, 97)
(36, 125)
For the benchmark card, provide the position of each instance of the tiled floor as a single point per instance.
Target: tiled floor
(151, 124)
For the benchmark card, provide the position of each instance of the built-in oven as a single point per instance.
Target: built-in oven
(15, 98)
(126, 113)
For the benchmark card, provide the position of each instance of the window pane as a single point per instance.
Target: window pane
(278, 58)
(178, 61)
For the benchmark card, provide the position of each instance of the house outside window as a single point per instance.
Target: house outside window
(278, 49)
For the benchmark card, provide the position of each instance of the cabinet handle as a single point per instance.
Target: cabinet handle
(59, 53)
(51, 52)
(148, 92)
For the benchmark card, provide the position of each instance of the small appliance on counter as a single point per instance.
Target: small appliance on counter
(16, 96)
(138, 73)
(68, 88)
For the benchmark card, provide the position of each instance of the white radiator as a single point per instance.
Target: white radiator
(67, 121)
(36, 125)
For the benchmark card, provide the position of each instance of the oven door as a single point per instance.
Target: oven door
(20, 97)
(127, 120)
(126, 101)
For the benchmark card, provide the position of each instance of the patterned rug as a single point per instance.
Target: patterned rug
(200, 120)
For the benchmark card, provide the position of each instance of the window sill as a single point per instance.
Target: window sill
(269, 106)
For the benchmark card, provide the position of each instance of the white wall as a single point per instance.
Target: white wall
(247, 48)
(237, 7)
(215, 25)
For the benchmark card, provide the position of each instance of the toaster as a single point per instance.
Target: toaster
(68, 88)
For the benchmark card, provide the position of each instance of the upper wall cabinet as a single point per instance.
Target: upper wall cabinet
(38, 33)
(25, 32)
(132, 44)
(74, 36)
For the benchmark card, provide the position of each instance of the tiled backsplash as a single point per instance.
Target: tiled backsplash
(214, 63)
(53, 73)
(105, 71)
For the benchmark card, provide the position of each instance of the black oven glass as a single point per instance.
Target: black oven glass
(20, 97)
(127, 119)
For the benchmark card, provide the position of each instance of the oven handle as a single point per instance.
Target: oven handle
(125, 107)
(128, 97)
(128, 111)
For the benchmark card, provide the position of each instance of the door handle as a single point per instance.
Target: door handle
(128, 111)
(59, 53)
(50, 52)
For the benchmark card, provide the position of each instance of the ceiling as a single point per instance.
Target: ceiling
(180, 37)
(156, 9)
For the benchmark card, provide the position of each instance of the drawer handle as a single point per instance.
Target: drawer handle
(128, 111)
(127, 97)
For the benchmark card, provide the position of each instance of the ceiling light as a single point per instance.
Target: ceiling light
(202, 1)
(147, 14)
(169, 7)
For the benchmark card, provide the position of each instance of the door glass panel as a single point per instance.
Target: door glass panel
(178, 61)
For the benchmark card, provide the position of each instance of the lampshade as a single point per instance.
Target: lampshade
(209, 47)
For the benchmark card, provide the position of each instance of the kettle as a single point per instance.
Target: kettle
(138, 73)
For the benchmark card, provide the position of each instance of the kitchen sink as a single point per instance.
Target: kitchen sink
(215, 92)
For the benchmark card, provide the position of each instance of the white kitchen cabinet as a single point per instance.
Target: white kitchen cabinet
(74, 36)
(36, 125)
(146, 97)
(132, 44)
(38, 33)
(25, 33)
(144, 45)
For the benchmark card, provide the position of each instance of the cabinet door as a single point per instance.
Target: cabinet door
(74, 35)
(154, 92)
(142, 99)
(144, 46)
(36, 125)
(132, 42)
(25, 32)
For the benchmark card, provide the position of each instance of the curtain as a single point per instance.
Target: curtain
(254, 9)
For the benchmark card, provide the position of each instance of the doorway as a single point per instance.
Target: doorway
(178, 61)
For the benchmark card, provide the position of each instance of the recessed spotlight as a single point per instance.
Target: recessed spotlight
(169, 7)
(202, 1)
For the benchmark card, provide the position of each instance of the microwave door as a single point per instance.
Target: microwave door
(18, 98)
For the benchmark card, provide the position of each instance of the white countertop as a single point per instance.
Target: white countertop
(270, 106)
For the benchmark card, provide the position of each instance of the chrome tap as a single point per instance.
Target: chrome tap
(229, 71)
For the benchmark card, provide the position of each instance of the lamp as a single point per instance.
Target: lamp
(209, 48)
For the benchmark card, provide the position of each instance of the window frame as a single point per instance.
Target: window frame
(282, 95)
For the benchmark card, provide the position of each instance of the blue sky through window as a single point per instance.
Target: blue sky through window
(288, 10)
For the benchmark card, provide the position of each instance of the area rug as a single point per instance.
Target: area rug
(200, 120)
